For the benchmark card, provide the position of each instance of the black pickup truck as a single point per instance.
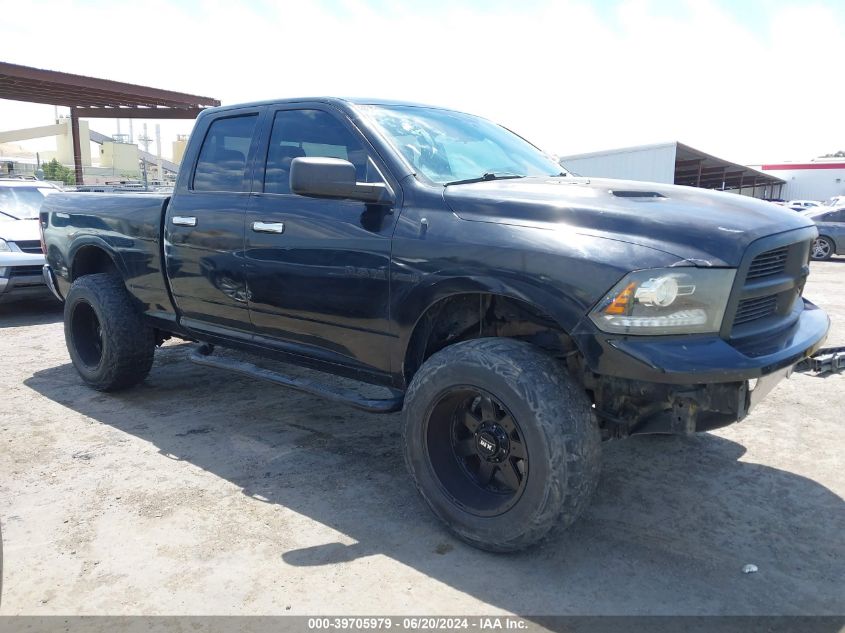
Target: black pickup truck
(516, 314)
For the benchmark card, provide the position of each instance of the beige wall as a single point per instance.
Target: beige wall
(64, 145)
(179, 150)
(121, 157)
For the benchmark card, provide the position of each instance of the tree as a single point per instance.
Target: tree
(839, 154)
(54, 170)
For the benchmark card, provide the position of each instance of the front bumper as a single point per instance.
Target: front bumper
(692, 383)
(20, 276)
(50, 281)
(700, 359)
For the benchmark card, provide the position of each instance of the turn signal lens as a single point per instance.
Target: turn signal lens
(623, 300)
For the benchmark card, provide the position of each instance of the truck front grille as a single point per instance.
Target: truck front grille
(769, 263)
(757, 308)
(768, 286)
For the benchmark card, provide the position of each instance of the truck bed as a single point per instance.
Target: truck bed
(126, 225)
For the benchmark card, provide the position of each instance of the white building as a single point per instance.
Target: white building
(818, 179)
(675, 163)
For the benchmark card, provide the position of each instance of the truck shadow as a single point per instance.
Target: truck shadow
(673, 522)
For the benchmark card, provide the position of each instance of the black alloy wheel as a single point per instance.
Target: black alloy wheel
(477, 451)
(500, 441)
(87, 334)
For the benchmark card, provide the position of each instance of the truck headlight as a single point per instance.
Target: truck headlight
(666, 301)
(4, 247)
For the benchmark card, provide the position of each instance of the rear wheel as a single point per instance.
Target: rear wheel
(500, 442)
(822, 248)
(110, 345)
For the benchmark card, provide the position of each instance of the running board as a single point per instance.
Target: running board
(202, 356)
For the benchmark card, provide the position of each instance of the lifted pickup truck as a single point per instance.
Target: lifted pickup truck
(516, 314)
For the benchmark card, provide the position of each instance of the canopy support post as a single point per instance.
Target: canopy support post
(77, 148)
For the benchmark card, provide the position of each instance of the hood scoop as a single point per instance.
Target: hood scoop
(637, 195)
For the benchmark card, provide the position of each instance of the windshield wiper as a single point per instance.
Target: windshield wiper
(9, 215)
(484, 177)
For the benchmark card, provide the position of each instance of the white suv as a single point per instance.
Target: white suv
(21, 258)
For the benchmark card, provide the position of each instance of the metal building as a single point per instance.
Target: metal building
(675, 163)
(819, 179)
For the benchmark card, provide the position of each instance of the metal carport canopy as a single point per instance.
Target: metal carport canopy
(698, 169)
(89, 97)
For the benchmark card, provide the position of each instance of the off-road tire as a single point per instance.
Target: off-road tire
(554, 413)
(126, 344)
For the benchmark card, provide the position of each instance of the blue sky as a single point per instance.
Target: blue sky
(752, 81)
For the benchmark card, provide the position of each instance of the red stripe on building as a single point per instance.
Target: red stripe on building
(804, 166)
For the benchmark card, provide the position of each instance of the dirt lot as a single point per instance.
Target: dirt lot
(200, 492)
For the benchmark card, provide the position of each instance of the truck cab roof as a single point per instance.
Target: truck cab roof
(338, 101)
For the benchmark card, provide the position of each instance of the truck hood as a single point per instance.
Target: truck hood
(19, 230)
(709, 228)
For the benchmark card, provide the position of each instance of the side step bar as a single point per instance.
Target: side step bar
(202, 356)
(828, 360)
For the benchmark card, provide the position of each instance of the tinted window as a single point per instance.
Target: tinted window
(222, 160)
(307, 133)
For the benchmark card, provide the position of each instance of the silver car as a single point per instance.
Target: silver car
(21, 257)
(831, 223)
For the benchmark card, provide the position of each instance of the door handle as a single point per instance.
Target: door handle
(184, 220)
(268, 227)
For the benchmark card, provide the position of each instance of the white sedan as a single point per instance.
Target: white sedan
(21, 257)
(802, 205)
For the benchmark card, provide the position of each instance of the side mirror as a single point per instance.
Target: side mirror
(334, 178)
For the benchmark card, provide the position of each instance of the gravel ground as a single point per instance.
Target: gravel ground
(200, 492)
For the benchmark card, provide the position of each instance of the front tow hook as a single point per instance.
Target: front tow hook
(828, 360)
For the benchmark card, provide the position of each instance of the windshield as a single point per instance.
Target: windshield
(22, 203)
(448, 147)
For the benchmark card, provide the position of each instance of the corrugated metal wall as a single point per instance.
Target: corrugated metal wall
(655, 163)
(810, 184)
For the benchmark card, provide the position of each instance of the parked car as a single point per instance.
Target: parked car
(21, 257)
(516, 315)
(835, 201)
(831, 226)
(802, 205)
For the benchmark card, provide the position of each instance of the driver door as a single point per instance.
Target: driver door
(318, 269)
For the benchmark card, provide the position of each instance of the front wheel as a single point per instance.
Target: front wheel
(501, 442)
(822, 248)
(109, 344)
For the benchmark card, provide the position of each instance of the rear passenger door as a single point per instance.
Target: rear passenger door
(204, 227)
(317, 269)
